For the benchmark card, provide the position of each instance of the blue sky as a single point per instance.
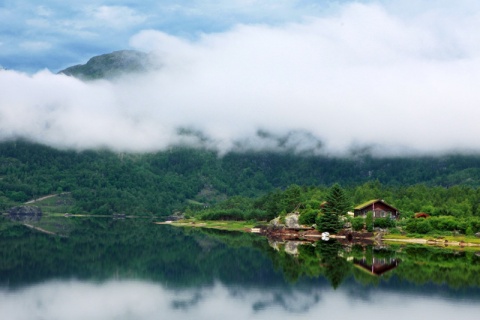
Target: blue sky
(396, 76)
(55, 34)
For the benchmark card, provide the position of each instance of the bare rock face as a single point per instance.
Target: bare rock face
(291, 220)
(25, 213)
(276, 222)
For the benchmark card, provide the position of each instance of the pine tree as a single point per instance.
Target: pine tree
(337, 205)
(337, 201)
(328, 222)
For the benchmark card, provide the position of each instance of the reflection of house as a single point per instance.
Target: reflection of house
(378, 266)
(380, 209)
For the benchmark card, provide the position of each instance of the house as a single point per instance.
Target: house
(380, 209)
(377, 266)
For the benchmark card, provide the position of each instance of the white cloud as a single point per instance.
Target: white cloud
(118, 17)
(35, 45)
(361, 76)
(44, 11)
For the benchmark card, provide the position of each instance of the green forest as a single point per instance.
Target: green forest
(248, 185)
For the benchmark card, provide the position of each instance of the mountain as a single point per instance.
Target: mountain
(112, 65)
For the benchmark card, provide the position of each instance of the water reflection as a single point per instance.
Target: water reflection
(25, 214)
(71, 300)
(377, 266)
(133, 269)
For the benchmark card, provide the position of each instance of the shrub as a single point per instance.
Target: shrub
(308, 217)
(469, 231)
(394, 231)
(411, 225)
(444, 223)
(358, 223)
(475, 224)
(421, 226)
(424, 226)
(384, 223)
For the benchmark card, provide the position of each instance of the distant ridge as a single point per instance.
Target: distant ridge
(111, 65)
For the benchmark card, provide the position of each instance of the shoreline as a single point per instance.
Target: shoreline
(244, 227)
(432, 242)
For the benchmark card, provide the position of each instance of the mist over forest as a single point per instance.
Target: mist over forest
(395, 79)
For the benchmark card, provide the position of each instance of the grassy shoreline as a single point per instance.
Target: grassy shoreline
(439, 240)
(244, 226)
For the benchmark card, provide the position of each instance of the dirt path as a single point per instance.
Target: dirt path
(42, 198)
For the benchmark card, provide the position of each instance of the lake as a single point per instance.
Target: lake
(101, 268)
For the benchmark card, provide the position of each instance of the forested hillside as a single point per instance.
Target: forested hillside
(103, 182)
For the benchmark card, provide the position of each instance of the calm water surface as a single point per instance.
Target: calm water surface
(134, 269)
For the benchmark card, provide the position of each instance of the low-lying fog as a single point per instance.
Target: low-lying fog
(359, 76)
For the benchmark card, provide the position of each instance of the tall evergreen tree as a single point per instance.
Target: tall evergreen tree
(337, 205)
(337, 201)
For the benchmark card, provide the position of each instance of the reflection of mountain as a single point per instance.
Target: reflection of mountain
(377, 266)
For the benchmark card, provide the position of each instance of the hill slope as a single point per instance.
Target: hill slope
(112, 65)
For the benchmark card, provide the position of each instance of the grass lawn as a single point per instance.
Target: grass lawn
(221, 225)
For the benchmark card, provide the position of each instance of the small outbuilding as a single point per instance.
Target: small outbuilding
(379, 207)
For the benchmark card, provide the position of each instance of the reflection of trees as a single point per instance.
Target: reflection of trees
(336, 267)
(422, 265)
(323, 259)
(329, 259)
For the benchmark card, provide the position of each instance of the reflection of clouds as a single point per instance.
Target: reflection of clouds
(187, 302)
(363, 293)
(71, 300)
(297, 302)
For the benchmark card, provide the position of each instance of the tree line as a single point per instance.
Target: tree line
(260, 184)
(454, 209)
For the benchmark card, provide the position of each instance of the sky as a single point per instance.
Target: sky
(330, 77)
